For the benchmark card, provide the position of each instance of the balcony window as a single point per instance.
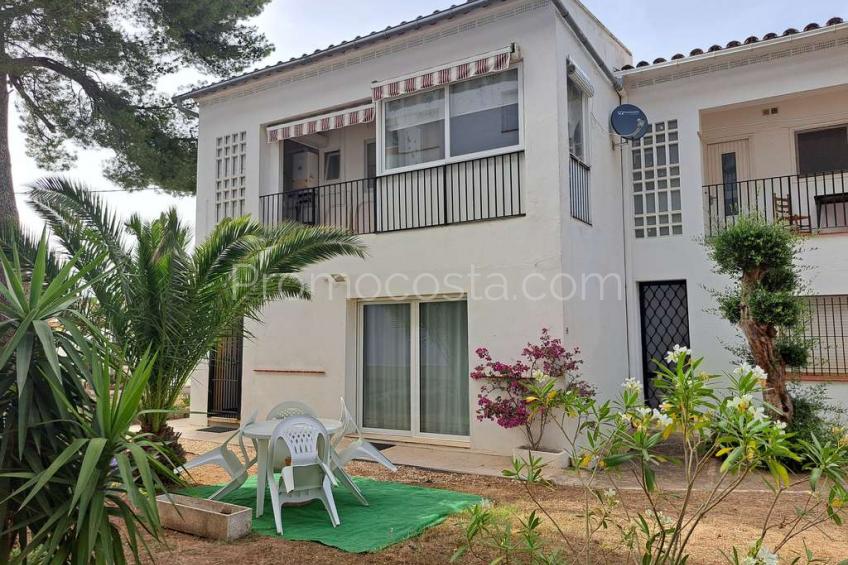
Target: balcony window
(822, 150)
(470, 118)
(415, 129)
(484, 113)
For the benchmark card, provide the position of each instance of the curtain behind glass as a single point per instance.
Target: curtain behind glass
(444, 367)
(415, 129)
(484, 113)
(386, 367)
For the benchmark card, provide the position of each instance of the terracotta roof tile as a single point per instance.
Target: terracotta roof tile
(731, 44)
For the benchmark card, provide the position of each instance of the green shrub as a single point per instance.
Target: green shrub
(816, 415)
(77, 485)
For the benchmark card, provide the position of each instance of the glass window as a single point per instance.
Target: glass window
(575, 121)
(443, 337)
(415, 129)
(422, 389)
(823, 150)
(386, 366)
(484, 113)
(332, 165)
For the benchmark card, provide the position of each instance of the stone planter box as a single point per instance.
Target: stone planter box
(204, 518)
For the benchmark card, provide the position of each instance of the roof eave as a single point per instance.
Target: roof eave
(387, 33)
(676, 63)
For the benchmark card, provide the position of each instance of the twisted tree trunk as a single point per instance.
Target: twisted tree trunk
(761, 339)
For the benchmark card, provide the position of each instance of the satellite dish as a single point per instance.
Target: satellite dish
(629, 121)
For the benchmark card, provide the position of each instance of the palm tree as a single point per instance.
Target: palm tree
(154, 294)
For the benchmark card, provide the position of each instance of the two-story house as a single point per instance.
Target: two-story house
(471, 150)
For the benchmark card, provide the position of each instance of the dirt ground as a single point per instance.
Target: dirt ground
(736, 521)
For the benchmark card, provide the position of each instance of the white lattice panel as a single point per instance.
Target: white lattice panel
(230, 164)
(656, 182)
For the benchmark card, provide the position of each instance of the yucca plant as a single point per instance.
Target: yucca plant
(70, 469)
(154, 293)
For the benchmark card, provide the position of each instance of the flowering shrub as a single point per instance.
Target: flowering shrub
(721, 424)
(507, 395)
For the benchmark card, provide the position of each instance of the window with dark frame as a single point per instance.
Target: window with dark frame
(332, 165)
(731, 186)
(822, 150)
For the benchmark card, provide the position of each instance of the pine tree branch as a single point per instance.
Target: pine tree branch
(30, 103)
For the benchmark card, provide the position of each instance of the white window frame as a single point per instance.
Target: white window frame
(381, 134)
(323, 174)
(584, 108)
(415, 369)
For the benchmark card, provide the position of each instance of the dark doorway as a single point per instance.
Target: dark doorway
(225, 376)
(665, 323)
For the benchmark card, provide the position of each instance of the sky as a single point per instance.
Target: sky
(649, 28)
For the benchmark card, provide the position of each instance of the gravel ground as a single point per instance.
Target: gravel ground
(734, 522)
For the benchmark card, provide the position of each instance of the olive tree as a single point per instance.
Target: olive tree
(763, 301)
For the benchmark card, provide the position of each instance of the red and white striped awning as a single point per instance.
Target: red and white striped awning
(486, 63)
(324, 122)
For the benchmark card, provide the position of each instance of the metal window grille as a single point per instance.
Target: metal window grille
(824, 325)
(578, 184)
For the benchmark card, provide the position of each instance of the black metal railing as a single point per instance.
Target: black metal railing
(807, 203)
(578, 183)
(825, 326)
(480, 189)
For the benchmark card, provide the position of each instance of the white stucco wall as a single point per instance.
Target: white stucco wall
(724, 101)
(307, 350)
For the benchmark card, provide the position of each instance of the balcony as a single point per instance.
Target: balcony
(481, 189)
(808, 204)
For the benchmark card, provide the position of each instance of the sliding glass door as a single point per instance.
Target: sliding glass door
(414, 367)
(386, 367)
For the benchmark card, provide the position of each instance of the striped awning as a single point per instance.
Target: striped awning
(483, 64)
(324, 122)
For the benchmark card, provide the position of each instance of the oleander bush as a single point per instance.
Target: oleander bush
(720, 421)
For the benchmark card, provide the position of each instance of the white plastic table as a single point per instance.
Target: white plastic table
(260, 433)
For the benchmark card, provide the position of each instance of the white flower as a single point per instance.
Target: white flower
(677, 352)
(643, 411)
(631, 384)
(539, 376)
(741, 403)
(766, 557)
(758, 413)
(742, 370)
(610, 493)
(746, 368)
(661, 419)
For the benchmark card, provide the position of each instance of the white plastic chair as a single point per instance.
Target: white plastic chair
(308, 475)
(289, 408)
(358, 448)
(227, 460)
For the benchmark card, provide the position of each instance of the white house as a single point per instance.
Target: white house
(471, 149)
